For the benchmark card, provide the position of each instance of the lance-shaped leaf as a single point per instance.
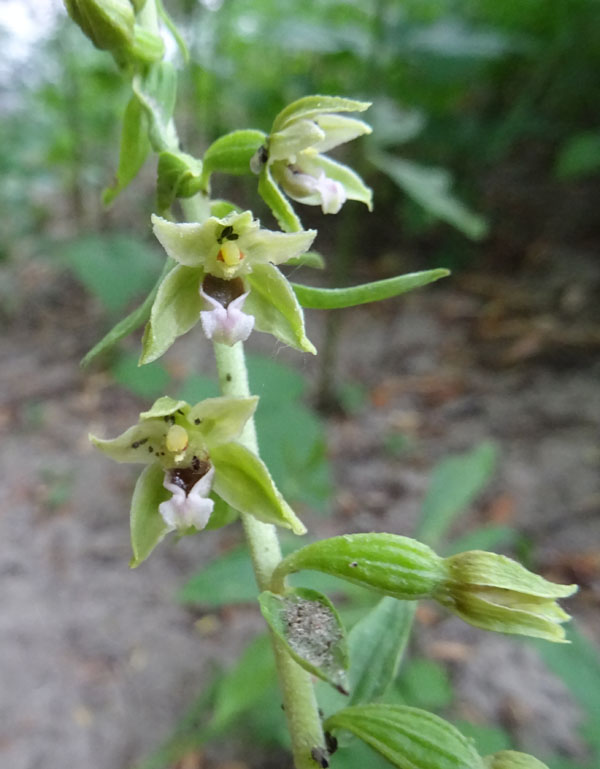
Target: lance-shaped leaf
(147, 525)
(244, 482)
(277, 202)
(275, 308)
(178, 176)
(134, 150)
(310, 106)
(176, 310)
(512, 759)
(388, 563)
(408, 738)
(310, 627)
(231, 154)
(337, 298)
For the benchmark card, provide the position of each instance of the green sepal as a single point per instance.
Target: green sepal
(178, 176)
(308, 259)
(388, 563)
(339, 129)
(311, 629)
(146, 46)
(298, 135)
(244, 482)
(409, 738)
(275, 307)
(221, 420)
(134, 150)
(222, 514)
(165, 406)
(337, 298)
(277, 202)
(310, 106)
(175, 311)
(231, 154)
(131, 446)
(147, 525)
(128, 324)
(156, 91)
(353, 185)
(512, 759)
(108, 23)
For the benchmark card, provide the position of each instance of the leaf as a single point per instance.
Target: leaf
(310, 106)
(231, 154)
(156, 92)
(579, 156)
(425, 683)
(277, 202)
(275, 307)
(228, 579)
(337, 298)
(390, 564)
(430, 187)
(244, 482)
(129, 324)
(176, 309)
(487, 739)
(408, 737)
(310, 627)
(455, 483)
(147, 525)
(134, 150)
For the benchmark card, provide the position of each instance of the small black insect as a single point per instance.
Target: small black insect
(331, 742)
(319, 755)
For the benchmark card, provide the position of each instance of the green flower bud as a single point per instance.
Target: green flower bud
(108, 23)
(146, 46)
(496, 593)
(511, 759)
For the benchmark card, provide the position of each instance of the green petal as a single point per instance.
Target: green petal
(220, 420)
(164, 407)
(277, 202)
(339, 130)
(264, 246)
(147, 525)
(310, 106)
(295, 137)
(133, 444)
(189, 243)
(353, 185)
(244, 482)
(275, 307)
(176, 310)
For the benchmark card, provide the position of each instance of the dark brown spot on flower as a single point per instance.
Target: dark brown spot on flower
(224, 291)
(187, 477)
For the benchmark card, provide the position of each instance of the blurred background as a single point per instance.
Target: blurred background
(470, 409)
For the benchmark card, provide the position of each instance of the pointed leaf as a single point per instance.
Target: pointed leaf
(408, 737)
(175, 311)
(135, 147)
(310, 627)
(388, 563)
(221, 420)
(310, 106)
(277, 202)
(147, 525)
(244, 482)
(231, 154)
(336, 298)
(275, 307)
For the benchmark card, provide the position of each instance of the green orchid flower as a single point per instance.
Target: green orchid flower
(224, 264)
(292, 159)
(191, 452)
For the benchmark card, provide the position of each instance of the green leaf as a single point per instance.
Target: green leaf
(310, 627)
(579, 156)
(179, 175)
(156, 91)
(147, 525)
(390, 564)
(430, 187)
(310, 106)
(408, 737)
(231, 154)
(228, 579)
(337, 298)
(277, 202)
(176, 309)
(455, 483)
(425, 683)
(135, 147)
(244, 482)
(129, 324)
(275, 307)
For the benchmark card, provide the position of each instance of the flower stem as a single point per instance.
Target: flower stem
(298, 694)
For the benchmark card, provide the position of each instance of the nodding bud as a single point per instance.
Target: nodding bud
(109, 24)
(496, 593)
(511, 759)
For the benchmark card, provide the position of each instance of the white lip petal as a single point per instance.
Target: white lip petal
(226, 325)
(192, 509)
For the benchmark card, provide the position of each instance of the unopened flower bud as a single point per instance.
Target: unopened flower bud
(108, 23)
(496, 593)
(511, 759)
(146, 45)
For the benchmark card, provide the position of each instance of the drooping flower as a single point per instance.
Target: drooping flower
(222, 265)
(292, 159)
(191, 452)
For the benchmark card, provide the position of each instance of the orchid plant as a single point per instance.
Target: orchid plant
(202, 467)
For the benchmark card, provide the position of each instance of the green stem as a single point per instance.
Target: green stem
(299, 699)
